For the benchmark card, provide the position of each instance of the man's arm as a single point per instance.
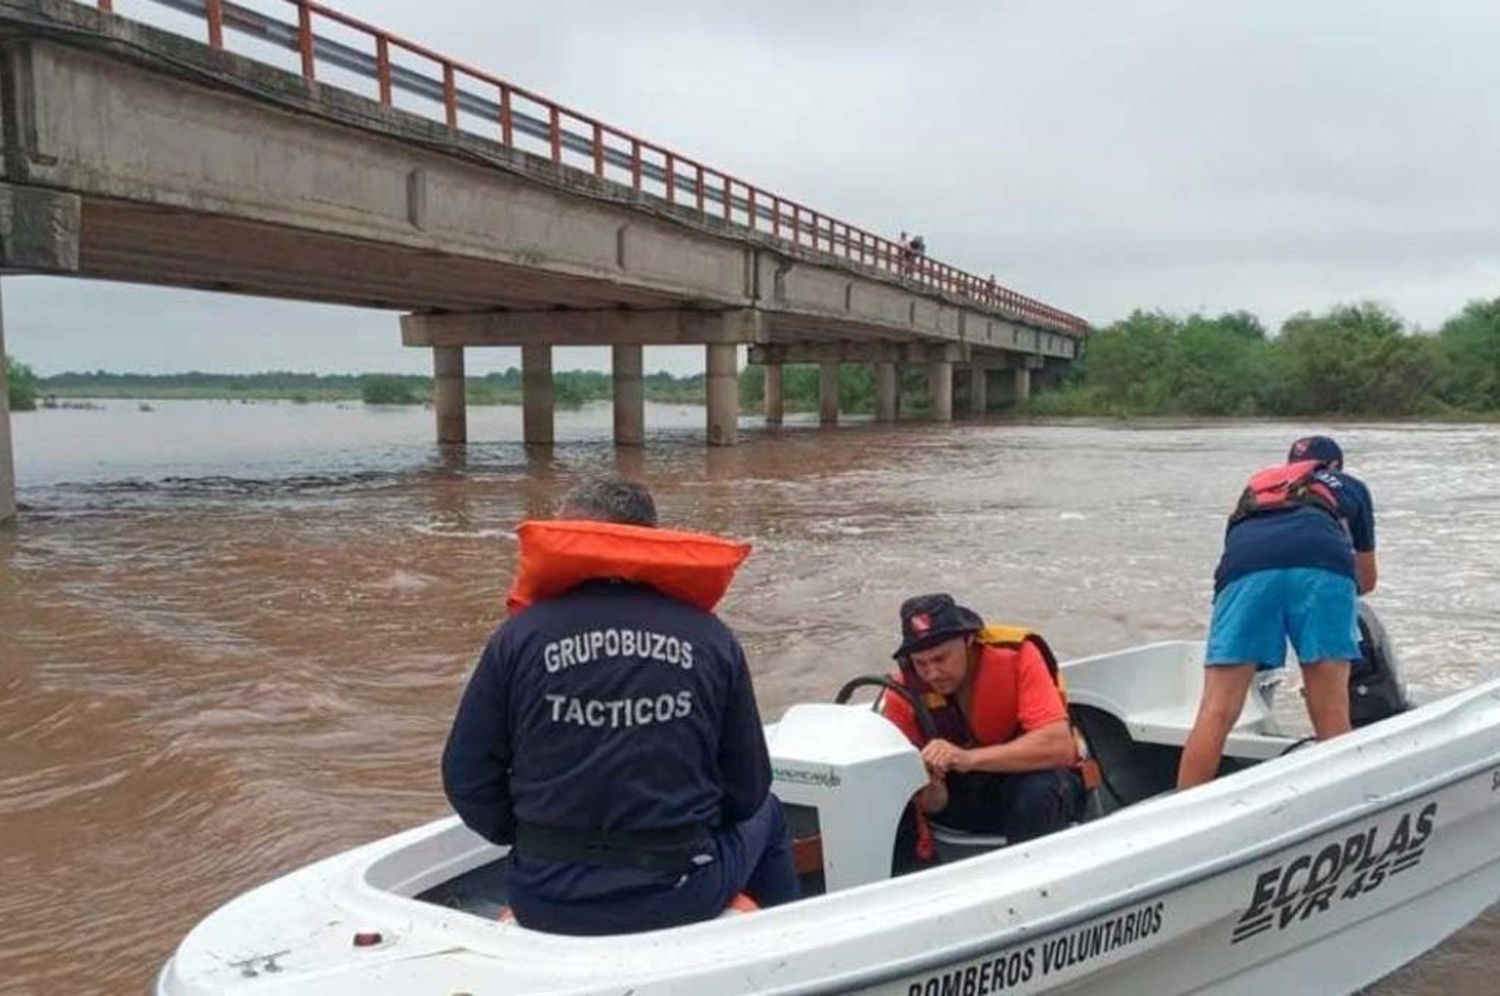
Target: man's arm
(476, 760)
(1049, 746)
(744, 762)
(1365, 573)
(1361, 520)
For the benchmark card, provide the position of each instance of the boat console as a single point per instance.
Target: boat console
(845, 775)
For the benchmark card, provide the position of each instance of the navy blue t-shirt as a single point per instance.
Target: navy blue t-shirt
(611, 707)
(1302, 536)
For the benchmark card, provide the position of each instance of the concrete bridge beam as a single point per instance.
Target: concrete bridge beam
(828, 392)
(821, 352)
(774, 396)
(630, 395)
(1023, 384)
(7, 462)
(723, 364)
(887, 390)
(537, 398)
(979, 393)
(940, 389)
(592, 327)
(448, 399)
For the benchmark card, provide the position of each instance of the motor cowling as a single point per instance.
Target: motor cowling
(1377, 689)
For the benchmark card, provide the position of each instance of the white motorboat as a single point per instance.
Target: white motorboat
(1309, 870)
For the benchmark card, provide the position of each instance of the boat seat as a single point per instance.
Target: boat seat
(1154, 691)
(1170, 726)
(807, 854)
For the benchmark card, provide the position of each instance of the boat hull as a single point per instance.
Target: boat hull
(1316, 872)
(1326, 913)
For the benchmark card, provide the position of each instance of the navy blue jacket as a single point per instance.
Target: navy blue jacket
(1302, 536)
(611, 707)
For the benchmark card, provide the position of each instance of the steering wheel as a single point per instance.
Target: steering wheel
(918, 707)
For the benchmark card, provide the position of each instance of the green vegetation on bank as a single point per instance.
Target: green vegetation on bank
(1356, 360)
(21, 385)
(1359, 359)
(801, 388)
(572, 388)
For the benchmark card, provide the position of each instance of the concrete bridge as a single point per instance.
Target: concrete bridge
(379, 173)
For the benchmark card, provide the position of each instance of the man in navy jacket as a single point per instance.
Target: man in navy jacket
(611, 735)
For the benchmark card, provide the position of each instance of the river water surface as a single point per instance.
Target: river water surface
(232, 635)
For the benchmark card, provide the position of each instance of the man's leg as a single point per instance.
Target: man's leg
(757, 857)
(1037, 803)
(1323, 621)
(1246, 633)
(1224, 689)
(1326, 686)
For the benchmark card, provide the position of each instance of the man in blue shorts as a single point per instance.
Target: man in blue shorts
(1298, 552)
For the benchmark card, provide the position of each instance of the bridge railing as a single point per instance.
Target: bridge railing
(474, 101)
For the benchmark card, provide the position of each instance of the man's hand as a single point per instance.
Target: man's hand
(933, 797)
(941, 757)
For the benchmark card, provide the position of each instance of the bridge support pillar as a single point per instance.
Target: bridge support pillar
(1023, 384)
(723, 361)
(630, 395)
(940, 390)
(7, 462)
(537, 402)
(828, 392)
(448, 394)
(887, 391)
(979, 389)
(774, 397)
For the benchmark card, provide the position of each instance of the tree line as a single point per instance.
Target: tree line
(1353, 359)
(571, 388)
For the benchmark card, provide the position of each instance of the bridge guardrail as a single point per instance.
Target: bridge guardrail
(567, 137)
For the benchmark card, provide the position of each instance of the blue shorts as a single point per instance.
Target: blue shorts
(1255, 616)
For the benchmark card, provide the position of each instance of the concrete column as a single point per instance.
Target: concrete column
(723, 393)
(7, 462)
(1023, 384)
(448, 394)
(630, 395)
(828, 392)
(774, 397)
(537, 402)
(940, 390)
(887, 391)
(979, 390)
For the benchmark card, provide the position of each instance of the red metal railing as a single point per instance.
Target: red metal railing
(520, 118)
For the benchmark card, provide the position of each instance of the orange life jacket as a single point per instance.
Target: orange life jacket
(1284, 486)
(560, 554)
(994, 718)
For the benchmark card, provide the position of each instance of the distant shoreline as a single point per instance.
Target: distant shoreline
(571, 389)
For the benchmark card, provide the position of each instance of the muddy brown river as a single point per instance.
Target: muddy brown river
(232, 635)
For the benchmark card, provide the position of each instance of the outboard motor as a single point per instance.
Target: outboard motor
(1376, 688)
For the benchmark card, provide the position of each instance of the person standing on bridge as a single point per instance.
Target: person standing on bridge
(610, 732)
(1298, 551)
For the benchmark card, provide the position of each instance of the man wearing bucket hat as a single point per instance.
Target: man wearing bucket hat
(1002, 760)
(1299, 550)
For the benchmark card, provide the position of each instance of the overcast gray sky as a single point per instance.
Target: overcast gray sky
(1102, 156)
